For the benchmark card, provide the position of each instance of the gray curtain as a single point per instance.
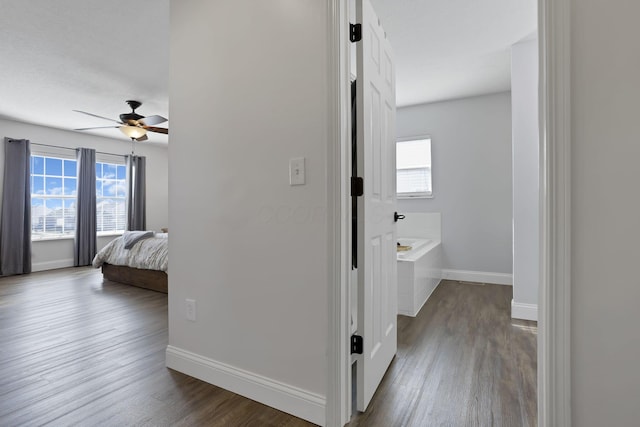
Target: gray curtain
(15, 224)
(85, 239)
(136, 196)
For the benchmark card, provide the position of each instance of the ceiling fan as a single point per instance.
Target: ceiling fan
(132, 124)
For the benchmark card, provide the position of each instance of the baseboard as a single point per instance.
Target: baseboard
(524, 311)
(286, 398)
(478, 276)
(51, 265)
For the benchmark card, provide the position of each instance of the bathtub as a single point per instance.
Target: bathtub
(416, 246)
(419, 272)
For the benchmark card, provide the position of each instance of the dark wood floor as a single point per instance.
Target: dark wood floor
(461, 362)
(75, 351)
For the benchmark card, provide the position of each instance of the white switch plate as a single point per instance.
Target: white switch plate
(190, 308)
(296, 171)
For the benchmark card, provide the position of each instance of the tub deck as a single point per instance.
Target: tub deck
(419, 272)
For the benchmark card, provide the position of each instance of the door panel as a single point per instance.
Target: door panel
(377, 279)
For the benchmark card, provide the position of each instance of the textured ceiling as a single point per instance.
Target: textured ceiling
(92, 55)
(453, 48)
(89, 55)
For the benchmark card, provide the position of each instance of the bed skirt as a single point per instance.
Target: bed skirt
(148, 279)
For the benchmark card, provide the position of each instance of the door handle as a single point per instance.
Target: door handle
(397, 216)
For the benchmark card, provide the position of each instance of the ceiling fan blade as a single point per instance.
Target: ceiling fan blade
(99, 127)
(95, 115)
(142, 138)
(152, 120)
(157, 130)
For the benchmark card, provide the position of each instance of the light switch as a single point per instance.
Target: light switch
(296, 171)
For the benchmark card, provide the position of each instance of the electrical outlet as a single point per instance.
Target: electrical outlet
(190, 305)
(296, 171)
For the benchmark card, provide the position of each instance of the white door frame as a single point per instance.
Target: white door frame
(554, 302)
(554, 380)
(338, 392)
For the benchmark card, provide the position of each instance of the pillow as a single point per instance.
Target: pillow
(130, 238)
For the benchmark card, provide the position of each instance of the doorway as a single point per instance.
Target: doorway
(553, 321)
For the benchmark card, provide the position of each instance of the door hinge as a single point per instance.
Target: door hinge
(356, 344)
(357, 186)
(355, 32)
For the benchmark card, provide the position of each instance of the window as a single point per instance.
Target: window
(53, 197)
(111, 197)
(413, 168)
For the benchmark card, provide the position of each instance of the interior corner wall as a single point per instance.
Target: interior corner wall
(49, 254)
(248, 93)
(526, 179)
(605, 213)
(471, 173)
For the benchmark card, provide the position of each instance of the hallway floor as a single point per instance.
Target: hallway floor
(461, 362)
(77, 351)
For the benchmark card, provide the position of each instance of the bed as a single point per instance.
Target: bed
(136, 258)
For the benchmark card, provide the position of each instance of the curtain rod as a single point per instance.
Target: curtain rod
(74, 149)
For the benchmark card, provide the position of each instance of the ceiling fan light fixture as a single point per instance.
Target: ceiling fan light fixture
(134, 132)
(132, 124)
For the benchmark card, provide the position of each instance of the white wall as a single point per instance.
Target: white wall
(526, 179)
(605, 219)
(59, 253)
(471, 162)
(249, 248)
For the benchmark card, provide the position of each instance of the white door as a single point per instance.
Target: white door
(376, 160)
